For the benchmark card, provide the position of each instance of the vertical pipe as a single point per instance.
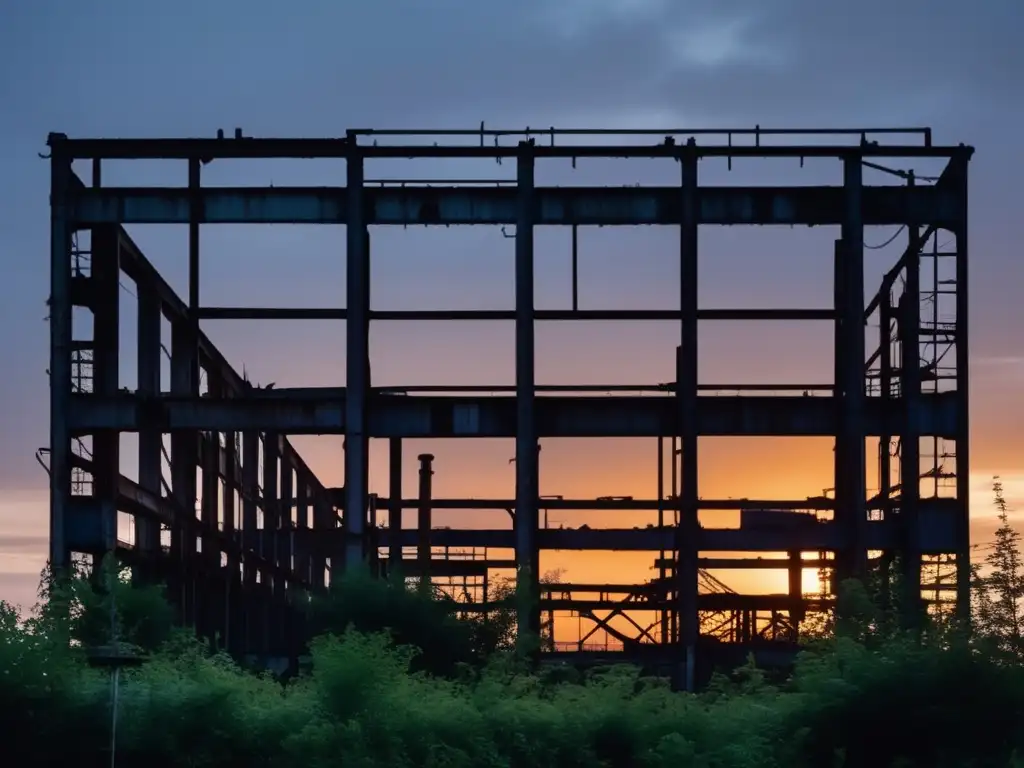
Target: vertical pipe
(395, 508)
(527, 458)
(686, 393)
(60, 353)
(150, 315)
(424, 522)
(357, 328)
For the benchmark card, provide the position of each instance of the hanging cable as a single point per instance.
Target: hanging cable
(887, 242)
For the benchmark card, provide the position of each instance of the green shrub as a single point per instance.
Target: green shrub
(388, 687)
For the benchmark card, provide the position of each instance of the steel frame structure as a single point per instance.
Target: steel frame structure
(290, 527)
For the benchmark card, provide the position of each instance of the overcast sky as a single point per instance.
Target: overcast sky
(316, 67)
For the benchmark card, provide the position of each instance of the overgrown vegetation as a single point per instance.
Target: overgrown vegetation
(397, 681)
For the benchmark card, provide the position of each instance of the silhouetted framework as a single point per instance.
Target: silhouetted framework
(264, 530)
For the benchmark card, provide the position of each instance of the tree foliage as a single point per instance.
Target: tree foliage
(397, 681)
(999, 588)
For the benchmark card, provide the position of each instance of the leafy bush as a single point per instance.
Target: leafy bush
(396, 681)
(370, 701)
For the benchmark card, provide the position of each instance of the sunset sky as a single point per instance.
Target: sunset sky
(317, 67)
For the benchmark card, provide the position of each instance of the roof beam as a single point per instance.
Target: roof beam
(455, 205)
(322, 411)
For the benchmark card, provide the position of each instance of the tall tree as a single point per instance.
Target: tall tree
(999, 617)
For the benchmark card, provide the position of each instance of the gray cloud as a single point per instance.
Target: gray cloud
(541, 62)
(18, 544)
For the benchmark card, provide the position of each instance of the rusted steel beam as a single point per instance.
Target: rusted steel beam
(455, 205)
(322, 411)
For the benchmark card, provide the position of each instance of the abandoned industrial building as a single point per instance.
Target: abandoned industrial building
(239, 542)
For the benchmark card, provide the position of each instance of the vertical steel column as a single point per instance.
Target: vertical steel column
(686, 394)
(963, 433)
(287, 506)
(271, 502)
(325, 519)
(232, 616)
(105, 300)
(527, 457)
(195, 213)
(395, 508)
(283, 626)
(357, 336)
(663, 614)
(271, 525)
(250, 535)
(909, 309)
(424, 521)
(150, 316)
(885, 440)
(61, 229)
(302, 497)
(210, 504)
(250, 494)
(184, 449)
(850, 481)
(795, 573)
(210, 576)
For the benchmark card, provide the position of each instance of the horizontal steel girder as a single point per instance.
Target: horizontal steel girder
(919, 205)
(342, 148)
(823, 536)
(321, 411)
